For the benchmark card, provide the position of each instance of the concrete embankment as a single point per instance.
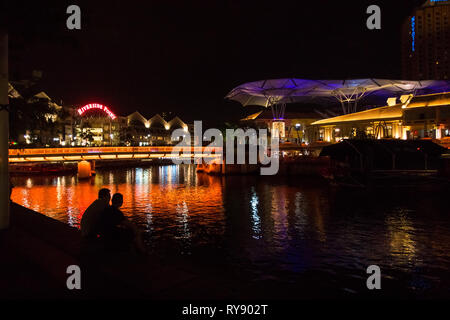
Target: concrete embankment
(36, 251)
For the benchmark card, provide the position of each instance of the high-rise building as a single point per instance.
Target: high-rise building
(426, 42)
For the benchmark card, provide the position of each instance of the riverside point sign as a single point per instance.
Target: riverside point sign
(90, 106)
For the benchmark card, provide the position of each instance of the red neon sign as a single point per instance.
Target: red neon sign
(90, 106)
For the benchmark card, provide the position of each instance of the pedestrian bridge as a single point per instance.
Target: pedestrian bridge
(107, 153)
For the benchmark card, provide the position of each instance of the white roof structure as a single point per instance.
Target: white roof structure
(42, 95)
(13, 93)
(281, 91)
(157, 120)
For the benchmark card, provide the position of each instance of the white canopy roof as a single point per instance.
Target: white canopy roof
(268, 92)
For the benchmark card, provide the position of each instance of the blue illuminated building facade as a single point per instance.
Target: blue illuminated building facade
(426, 42)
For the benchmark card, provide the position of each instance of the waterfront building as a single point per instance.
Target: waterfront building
(426, 42)
(326, 95)
(93, 124)
(104, 129)
(36, 120)
(291, 128)
(410, 117)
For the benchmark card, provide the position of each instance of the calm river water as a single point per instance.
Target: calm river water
(277, 230)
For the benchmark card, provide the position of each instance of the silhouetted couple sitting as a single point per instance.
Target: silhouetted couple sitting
(104, 226)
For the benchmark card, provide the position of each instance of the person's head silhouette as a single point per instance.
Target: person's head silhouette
(104, 194)
(117, 200)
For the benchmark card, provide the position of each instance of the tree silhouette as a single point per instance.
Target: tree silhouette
(32, 117)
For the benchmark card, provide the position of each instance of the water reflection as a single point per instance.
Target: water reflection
(401, 233)
(268, 228)
(300, 214)
(256, 221)
(145, 190)
(279, 214)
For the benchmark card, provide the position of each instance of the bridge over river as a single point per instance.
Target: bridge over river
(105, 153)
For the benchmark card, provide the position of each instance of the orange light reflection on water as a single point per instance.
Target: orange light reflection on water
(149, 194)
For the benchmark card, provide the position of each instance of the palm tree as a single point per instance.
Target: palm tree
(32, 117)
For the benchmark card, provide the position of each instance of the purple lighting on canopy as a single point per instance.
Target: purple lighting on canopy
(269, 92)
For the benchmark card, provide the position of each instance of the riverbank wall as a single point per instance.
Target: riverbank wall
(37, 250)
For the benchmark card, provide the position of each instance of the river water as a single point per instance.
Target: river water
(286, 232)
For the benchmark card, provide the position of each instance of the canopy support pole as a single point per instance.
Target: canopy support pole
(349, 98)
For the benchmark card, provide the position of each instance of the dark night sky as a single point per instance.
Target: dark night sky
(185, 56)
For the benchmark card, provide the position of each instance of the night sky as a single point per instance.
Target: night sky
(185, 56)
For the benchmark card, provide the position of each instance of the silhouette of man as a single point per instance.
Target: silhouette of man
(91, 217)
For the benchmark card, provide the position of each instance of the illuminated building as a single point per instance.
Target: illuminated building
(425, 116)
(41, 108)
(426, 42)
(93, 124)
(291, 128)
(96, 124)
